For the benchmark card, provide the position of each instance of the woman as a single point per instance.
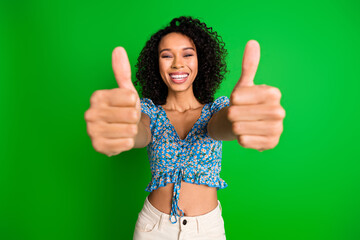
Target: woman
(179, 70)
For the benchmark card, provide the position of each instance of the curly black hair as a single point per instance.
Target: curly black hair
(211, 54)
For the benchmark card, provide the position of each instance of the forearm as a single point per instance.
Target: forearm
(219, 127)
(143, 136)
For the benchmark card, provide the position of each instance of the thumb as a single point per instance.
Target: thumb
(121, 68)
(250, 64)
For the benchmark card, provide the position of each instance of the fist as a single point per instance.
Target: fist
(113, 117)
(255, 111)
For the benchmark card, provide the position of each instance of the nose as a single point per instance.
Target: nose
(177, 63)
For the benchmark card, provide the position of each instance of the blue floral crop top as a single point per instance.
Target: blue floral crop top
(196, 159)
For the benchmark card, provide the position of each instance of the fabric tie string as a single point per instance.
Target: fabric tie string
(175, 199)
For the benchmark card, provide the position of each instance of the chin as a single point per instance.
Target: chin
(179, 87)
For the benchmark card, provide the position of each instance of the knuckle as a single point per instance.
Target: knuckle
(133, 115)
(234, 95)
(283, 113)
(236, 128)
(230, 114)
(128, 143)
(273, 142)
(90, 115)
(277, 112)
(274, 92)
(133, 130)
(96, 97)
(243, 141)
(280, 112)
(132, 97)
(90, 130)
(98, 145)
(87, 115)
(249, 65)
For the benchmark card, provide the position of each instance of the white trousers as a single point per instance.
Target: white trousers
(154, 224)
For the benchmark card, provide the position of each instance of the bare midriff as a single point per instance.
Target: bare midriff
(194, 199)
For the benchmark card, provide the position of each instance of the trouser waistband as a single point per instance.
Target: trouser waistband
(187, 223)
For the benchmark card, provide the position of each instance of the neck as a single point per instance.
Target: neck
(181, 101)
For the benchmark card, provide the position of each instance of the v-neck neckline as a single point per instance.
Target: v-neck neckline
(191, 130)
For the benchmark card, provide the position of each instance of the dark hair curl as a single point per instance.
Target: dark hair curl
(211, 54)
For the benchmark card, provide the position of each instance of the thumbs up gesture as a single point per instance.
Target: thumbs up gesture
(113, 117)
(255, 111)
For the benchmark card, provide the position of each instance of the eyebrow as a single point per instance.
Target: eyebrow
(167, 49)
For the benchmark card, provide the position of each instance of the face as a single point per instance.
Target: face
(178, 63)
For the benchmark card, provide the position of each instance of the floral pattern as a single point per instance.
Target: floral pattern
(195, 159)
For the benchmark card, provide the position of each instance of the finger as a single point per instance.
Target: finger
(255, 112)
(250, 64)
(121, 68)
(114, 130)
(255, 95)
(258, 142)
(113, 115)
(120, 97)
(98, 99)
(264, 128)
(113, 145)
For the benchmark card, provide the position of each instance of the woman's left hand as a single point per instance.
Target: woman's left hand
(255, 111)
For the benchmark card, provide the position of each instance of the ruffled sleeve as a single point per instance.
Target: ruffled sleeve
(150, 109)
(219, 103)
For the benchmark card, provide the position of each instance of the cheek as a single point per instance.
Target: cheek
(162, 68)
(194, 66)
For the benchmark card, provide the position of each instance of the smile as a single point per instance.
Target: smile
(179, 78)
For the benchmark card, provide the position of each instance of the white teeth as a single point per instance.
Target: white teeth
(179, 76)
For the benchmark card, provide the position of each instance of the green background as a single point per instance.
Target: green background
(55, 54)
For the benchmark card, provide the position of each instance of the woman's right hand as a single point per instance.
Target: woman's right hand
(114, 115)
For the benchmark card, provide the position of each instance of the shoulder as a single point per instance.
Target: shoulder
(219, 103)
(147, 106)
(146, 102)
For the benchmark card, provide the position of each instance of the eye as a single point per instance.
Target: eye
(165, 56)
(188, 55)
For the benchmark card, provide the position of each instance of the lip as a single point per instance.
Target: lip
(178, 73)
(179, 81)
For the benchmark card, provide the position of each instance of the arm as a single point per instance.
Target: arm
(219, 126)
(143, 136)
(256, 126)
(255, 116)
